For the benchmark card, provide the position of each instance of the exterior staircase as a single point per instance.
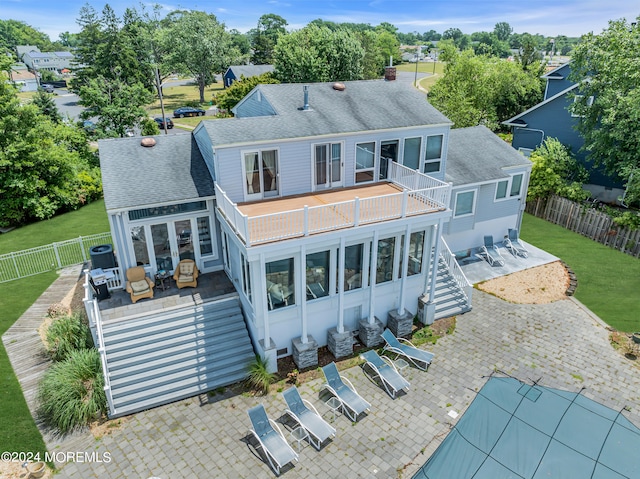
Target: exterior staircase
(175, 354)
(450, 297)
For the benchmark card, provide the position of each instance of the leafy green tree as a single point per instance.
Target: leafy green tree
(482, 90)
(46, 105)
(230, 97)
(45, 167)
(149, 127)
(117, 105)
(555, 171)
(15, 32)
(316, 54)
(198, 45)
(265, 37)
(529, 56)
(607, 66)
(503, 31)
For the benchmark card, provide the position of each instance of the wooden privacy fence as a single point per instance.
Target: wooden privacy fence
(41, 259)
(589, 222)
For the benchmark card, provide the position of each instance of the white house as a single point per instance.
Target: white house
(327, 205)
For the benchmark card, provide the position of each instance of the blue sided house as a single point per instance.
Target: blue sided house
(321, 213)
(552, 118)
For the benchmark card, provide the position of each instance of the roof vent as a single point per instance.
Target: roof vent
(148, 142)
(339, 86)
(306, 97)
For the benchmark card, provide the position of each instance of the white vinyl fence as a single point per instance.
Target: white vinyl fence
(41, 259)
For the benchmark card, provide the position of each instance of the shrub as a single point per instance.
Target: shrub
(259, 376)
(71, 393)
(67, 334)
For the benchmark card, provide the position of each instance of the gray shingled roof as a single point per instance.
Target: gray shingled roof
(250, 70)
(134, 176)
(477, 155)
(362, 106)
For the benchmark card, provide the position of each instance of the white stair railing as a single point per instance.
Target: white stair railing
(456, 272)
(95, 325)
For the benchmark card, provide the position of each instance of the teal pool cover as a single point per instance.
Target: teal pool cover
(515, 430)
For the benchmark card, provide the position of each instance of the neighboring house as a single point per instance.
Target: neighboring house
(552, 118)
(236, 72)
(327, 206)
(23, 78)
(51, 61)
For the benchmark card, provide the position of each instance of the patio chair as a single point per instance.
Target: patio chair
(490, 252)
(186, 274)
(352, 403)
(275, 447)
(418, 357)
(383, 368)
(512, 242)
(138, 285)
(303, 412)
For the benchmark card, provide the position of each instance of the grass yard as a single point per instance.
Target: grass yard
(177, 96)
(88, 220)
(18, 431)
(608, 280)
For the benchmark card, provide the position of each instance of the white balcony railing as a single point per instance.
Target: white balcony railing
(420, 194)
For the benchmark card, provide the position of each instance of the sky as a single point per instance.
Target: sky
(547, 17)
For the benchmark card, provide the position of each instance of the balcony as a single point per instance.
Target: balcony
(405, 193)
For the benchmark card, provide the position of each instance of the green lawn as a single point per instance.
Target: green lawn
(18, 431)
(177, 96)
(608, 280)
(88, 220)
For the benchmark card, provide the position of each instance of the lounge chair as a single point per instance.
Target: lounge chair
(186, 274)
(383, 368)
(307, 417)
(138, 285)
(490, 252)
(418, 357)
(275, 447)
(512, 242)
(352, 403)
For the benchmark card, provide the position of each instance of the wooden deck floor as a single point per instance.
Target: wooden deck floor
(319, 198)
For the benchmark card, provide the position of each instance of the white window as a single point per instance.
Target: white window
(280, 283)
(246, 277)
(261, 173)
(411, 153)
(510, 188)
(327, 167)
(465, 203)
(579, 99)
(365, 162)
(433, 154)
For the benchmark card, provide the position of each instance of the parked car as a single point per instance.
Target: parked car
(187, 111)
(161, 123)
(47, 87)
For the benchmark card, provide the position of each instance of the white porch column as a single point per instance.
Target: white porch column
(436, 257)
(341, 286)
(405, 269)
(373, 266)
(265, 302)
(302, 295)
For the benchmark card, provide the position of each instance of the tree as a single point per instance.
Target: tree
(117, 105)
(44, 167)
(265, 37)
(230, 97)
(555, 171)
(503, 31)
(46, 105)
(198, 45)
(529, 57)
(316, 54)
(607, 66)
(482, 90)
(15, 32)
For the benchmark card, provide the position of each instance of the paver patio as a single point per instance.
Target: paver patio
(560, 344)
